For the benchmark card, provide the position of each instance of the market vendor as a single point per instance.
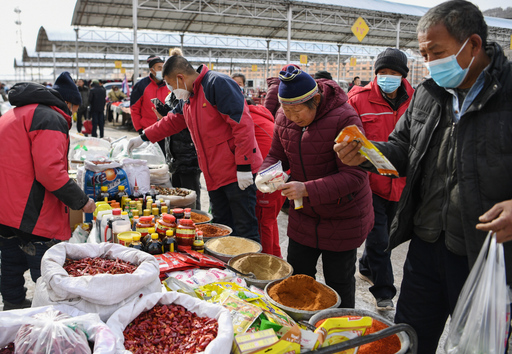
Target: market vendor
(34, 140)
(214, 110)
(337, 212)
(453, 144)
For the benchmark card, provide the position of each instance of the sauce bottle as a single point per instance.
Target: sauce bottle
(147, 239)
(166, 222)
(103, 194)
(187, 212)
(164, 209)
(185, 233)
(154, 246)
(178, 213)
(169, 242)
(136, 191)
(147, 212)
(120, 194)
(198, 244)
(143, 225)
(135, 221)
(136, 243)
(155, 213)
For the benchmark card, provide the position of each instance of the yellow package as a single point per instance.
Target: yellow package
(250, 342)
(243, 314)
(281, 347)
(340, 329)
(368, 150)
(210, 292)
(274, 313)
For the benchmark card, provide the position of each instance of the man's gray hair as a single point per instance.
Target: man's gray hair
(461, 18)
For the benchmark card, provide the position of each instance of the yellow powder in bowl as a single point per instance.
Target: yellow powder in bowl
(232, 245)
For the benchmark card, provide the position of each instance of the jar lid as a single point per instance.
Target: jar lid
(186, 222)
(169, 218)
(145, 219)
(177, 210)
(188, 210)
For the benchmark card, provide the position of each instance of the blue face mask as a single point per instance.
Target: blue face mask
(389, 83)
(447, 72)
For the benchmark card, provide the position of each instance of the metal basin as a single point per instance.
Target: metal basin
(296, 314)
(222, 256)
(260, 283)
(202, 213)
(220, 226)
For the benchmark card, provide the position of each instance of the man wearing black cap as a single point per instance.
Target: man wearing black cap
(143, 92)
(380, 104)
(37, 190)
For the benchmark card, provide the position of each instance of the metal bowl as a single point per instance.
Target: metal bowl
(222, 256)
(296, 314)
(328, 313)
(202, 213)
(225, 227)
(258, 282)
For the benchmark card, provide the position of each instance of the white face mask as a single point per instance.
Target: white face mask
(181, 94)
(158, 75)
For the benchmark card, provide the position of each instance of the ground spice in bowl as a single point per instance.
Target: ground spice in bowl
(231, 245)
(303, 292)
(212, 230)
(196, 217)
(388, 345)
(264, 266)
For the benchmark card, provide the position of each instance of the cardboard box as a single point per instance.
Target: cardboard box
(75, 217)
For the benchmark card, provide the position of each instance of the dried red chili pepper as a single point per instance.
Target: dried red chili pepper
(97, 265)
(169, 329)
(8, 349)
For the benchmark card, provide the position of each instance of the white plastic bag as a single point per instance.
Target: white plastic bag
(79, 235)
(151, 152)
(137, 172)
(102, 293)
(159, 174)
(96, 331)
(481, 317)
(220, 345)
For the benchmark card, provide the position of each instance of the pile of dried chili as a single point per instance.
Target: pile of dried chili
(8, 349)
(388, 345)
(97, 265)
(169, 329)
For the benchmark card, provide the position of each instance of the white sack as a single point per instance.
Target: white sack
(137, 171)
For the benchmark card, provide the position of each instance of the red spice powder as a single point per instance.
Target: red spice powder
(388, 345)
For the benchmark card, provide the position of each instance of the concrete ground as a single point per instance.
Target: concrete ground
(364, 299)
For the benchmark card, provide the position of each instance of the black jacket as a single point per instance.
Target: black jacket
(84, 92)
(181, 153)
(97, 98)
(484, 152)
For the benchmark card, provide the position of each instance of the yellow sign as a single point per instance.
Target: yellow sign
(511, 41)
(360, 29)
(81, 70)
(123, 70)
(254, 67)
(353, 61)
(210, 66)
(118, 64)
(303, 59)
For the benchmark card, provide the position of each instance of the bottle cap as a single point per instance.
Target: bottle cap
(154, 211)
(146, 212)
(136, 237)
(133, 202)
(188, 210)
(151, 230)
(199, 233)
(145, 219)
(154, 236)
(169, 233)
(177, 211)
(135, 212)
(121, 188)
(116, 211)
(104, 188)
(124, 213)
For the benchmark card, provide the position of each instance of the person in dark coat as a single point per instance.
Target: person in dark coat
(271, 101)
(82, 110)
(97, 100)
(337, 212)
(453, 144)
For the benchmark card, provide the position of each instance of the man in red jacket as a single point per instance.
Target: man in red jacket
(380, 104)
(152, 86)
(34, 140)
(213, 109)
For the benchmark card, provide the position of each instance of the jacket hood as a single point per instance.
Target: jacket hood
(272, 81)
(262, 111)
(333, 96)
(26, 93)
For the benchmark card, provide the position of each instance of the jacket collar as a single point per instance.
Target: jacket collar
(202, 70)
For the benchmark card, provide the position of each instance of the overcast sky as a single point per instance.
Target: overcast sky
(57, 14)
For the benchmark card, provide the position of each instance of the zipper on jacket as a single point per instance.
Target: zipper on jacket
(449, 163)
(306, 178)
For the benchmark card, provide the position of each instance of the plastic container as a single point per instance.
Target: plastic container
(169, 242)
(185, 233)
(166, 222)
(121, 225)
(107, 235)
(126, 238)
(145, 222)
(154, 246)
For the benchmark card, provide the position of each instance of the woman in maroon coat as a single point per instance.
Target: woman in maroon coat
(337, 214)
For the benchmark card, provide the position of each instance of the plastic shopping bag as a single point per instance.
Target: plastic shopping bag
(481, 317)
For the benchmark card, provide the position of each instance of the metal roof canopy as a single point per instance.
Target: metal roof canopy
(391, 24)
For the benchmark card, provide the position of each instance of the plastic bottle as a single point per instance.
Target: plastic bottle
(178, 213)
(120, 225)
(164, 209)
(147, 212)
(198, 244)
(143, 226)
(120, 194)
(147, 239)
(136, 243)
(166, 222)
(103, 194)
(149, 202)
(154, 212)
(187, 213)
(139, 207)
(152, 192)
(136, 191)
(135, 221)
(116, 216)
(154, 246)
(169, 242)
(185, 233)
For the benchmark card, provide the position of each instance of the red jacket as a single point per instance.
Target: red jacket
(271, 101)
(263, 128)
(140, 101)
(34, 141)
(379, 120)
(220, 126)
(338, 213)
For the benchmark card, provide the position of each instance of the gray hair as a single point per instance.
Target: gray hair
(461, 18)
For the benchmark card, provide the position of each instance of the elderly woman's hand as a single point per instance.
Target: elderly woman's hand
(293, 190)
